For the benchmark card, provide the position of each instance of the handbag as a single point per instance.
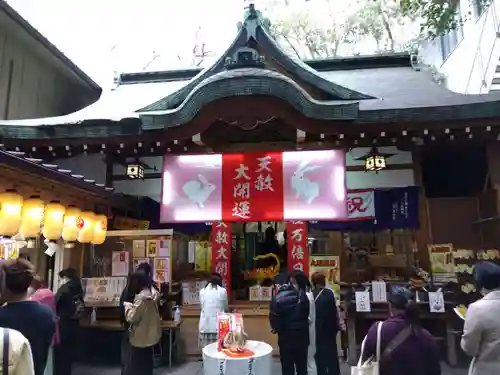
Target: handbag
(370, 366)
(5, 355)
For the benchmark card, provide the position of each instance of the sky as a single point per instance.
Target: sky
(104, 36)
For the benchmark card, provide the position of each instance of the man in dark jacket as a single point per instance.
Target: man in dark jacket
(327, 327)
(289, 318)
(69, 307)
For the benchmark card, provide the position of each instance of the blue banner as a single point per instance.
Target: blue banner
(396, 208)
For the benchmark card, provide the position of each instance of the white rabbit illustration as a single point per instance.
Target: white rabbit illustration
(198, 191)
(302, 185)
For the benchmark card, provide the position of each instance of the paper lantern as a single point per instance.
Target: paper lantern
(87, 222)
(32, 217)
(100, 228)
(53, 221)
(10, 213)
(72, 224)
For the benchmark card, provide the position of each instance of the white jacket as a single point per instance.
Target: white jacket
(311, 352)
(20, 357)
(481, 337)
(212, 301)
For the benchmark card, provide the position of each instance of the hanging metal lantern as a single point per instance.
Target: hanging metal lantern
(375, 161)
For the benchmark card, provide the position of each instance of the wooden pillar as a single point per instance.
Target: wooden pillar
(109, 172)
(423, 236)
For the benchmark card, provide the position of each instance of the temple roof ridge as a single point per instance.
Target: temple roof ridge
(254, 33)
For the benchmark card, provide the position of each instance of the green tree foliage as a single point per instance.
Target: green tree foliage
(320, 28)
(436, 16)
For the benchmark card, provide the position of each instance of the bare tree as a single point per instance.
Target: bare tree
(199, 51)
(307, 38)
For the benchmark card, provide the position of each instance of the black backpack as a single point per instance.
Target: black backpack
(79, 307)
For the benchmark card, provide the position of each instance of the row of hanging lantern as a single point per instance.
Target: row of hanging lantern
(31, 216)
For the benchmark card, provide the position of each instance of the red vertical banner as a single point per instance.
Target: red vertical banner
(221, 252)
(252, 187)
(298, 252)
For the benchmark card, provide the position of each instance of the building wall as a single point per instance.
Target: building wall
(468, 56)
(93, 167)
(36, 88)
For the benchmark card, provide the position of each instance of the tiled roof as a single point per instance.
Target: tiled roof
(358, 90)
(52, 171)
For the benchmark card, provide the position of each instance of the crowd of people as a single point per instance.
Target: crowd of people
(38, 327)
(305, 317)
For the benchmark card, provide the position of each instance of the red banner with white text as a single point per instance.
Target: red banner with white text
(221, 252)
(253, 187)
(298, 253)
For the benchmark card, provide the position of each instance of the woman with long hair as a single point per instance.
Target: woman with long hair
(405, 346)
(213, 300)
(128, 295)
(481, 337)
(144, 332)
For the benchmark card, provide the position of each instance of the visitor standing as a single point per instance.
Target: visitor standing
(147, 269)
(213, 300)
(481, 337)
(405, 346)
(289, 319)
(46, 296)
(69, 307)
(327, 327)
(33, 320)
(311, 351)
(145, 330)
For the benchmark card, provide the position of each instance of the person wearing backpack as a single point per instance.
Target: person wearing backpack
(145, 329)
(69, 307)
(405, 346)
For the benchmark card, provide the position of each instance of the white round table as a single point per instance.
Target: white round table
(217, 363)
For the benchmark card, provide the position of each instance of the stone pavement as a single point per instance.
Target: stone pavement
(194, 368)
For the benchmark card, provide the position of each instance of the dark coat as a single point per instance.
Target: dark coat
(289, 313)
(327, 317)
(418, 355)
(65, 298)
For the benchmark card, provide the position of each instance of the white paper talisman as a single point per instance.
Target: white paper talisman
(363, 302)
(379, 291)
(222, 367)
(436, 302)
(250, 366)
